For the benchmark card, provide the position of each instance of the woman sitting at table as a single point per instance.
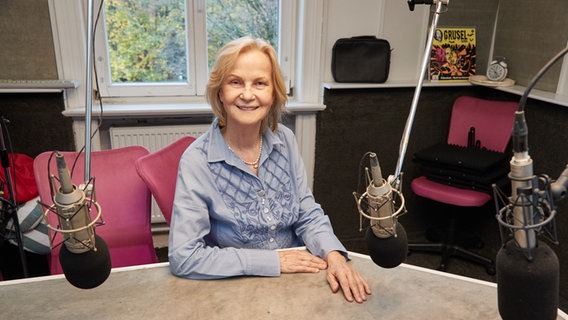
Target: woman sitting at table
(242, 190)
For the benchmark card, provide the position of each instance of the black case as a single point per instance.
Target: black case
(361, 59)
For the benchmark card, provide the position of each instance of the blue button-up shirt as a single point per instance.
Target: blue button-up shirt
(227, 221)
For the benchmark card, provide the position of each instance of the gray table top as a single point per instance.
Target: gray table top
(151, 292)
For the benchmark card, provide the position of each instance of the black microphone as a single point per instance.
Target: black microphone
(527, 270)
(528, 274)
(386, 238)
(85, 257)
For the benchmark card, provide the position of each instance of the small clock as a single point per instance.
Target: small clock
(497, 70)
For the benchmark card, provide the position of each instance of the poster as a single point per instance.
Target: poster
(453, 54)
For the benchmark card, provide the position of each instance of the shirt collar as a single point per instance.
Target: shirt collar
(219, 151)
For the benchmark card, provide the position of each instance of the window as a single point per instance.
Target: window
(166, 47)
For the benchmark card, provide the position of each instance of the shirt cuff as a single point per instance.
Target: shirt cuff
(263, 263)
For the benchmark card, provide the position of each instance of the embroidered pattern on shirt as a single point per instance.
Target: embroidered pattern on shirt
(239, 191)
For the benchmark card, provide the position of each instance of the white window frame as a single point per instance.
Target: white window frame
(68, 22)
(197, 57)
(305, 63)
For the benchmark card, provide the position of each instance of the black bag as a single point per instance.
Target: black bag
(361, 59)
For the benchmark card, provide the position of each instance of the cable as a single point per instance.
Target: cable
(537, 77)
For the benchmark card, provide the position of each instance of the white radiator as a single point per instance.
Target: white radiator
(153, 138)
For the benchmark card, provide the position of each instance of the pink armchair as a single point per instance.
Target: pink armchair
(122, 195)
(159, 171)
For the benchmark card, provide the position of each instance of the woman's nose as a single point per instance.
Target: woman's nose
(247, 94)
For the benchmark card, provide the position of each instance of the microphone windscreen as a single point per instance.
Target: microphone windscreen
(527, 289)
(88, 269)
(387, 252)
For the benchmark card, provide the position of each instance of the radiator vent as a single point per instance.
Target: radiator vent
(153, 138)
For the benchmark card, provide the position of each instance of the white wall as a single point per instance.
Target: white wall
(406, 31)
(388, 19)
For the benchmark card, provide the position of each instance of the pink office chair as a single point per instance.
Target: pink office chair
(493, 123)
(122, 195)
(159, 171)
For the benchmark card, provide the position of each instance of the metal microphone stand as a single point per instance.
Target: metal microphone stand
(395, 180)
(528, 271)
(383, 202)
(441, 7)
(88, 89)
(9, 206)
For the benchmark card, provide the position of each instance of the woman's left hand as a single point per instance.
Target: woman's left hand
(341, 275)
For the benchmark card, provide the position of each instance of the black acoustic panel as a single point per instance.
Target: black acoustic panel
(529, 34)
(36, 123)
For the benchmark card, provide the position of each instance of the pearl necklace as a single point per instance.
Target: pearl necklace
(254, 164)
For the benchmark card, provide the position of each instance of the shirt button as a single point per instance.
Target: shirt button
(271, 239)
(266, 210)
(261, 193)
(272, 227)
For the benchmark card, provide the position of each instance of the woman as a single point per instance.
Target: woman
(242, 190)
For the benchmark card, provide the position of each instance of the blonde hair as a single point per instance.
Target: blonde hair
(226, 58)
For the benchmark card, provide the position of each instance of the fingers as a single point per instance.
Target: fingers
(333, 283)
(339, 272)
(354, 287)
(341, 275)
(362, 288)
(295, 261)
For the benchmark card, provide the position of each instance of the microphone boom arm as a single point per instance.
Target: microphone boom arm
(440, 4)
(383, 201)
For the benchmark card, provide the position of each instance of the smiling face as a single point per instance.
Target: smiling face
(225, 65)
(247, 94)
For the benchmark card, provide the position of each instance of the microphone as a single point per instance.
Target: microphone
(527, 270)
(528, 274)
(386, 238)
(85, 257)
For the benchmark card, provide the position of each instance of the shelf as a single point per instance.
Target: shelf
(394, 84)
(15, 86)
(536, 94)
(174, 109)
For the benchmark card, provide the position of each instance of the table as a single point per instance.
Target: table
(151, 292)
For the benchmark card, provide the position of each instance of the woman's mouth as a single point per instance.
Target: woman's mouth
(247, 108)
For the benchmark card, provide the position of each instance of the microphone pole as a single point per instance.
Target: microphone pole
(383, 202)
(528, 270)
(440, 4)
(88, 93)
(84, 258)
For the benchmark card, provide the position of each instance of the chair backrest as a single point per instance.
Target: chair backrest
(491, 120)
(159, 171)
(124, 199)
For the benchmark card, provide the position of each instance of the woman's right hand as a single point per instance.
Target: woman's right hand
(300, 261)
